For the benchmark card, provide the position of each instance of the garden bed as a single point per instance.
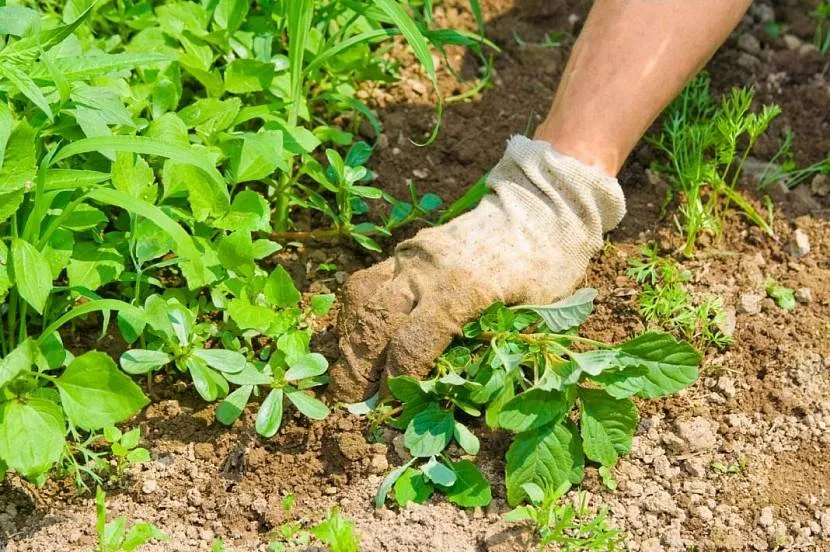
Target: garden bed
(736, 462)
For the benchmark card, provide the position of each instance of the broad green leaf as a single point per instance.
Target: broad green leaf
(532, 409)
(269, 417)
(321, 304)
(406, 389)
(93, 265)
(236, 253)
(31, 435)
(470, 489)
(151, 242)
(230, 14)
(412, 486)
(307, 366)
(133, 176)
(672, 365)
(547, 456)
(181, 321)
(464, 437)
(265, 248)
(308, 405)
(243, 76)
(249, 211)
(30, 273)
(257, 317)
(280, 290)
(251, 375)
(142, 361)
(20, 360)
(19, 162)
(95, 394)
(231, 408)
(58, 250)
(429, 432)
(566, 313)
(26, 86)
(226, 361)
(607, 425)
(84, 217)
(130, 439)
(9, 204)
(294, 345)
(438, 473)
(388, 481)
(139, 534)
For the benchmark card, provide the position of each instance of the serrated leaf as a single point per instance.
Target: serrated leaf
(95, 394)
(470, 489)
(547, 456)
(429, 432)
(606, 425)
(566, 313)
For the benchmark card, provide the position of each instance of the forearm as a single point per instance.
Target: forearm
(630, 60)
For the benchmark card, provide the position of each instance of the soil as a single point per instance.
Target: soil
(761, 406)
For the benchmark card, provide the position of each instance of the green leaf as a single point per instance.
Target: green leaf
(236, 253)
(151, 242)
(337, 532)
(133, 176)
(249, 211)
(30, 273)
(321, 304)
(607, 425)
(208, 383)
(31, 435)
(231, 408)
(255, 156)
(280, 290)
(142, 361)
(566, 313)
(229, 362)
(429, 432)
(307, 366)
(269, 417)
(95, 394)
(672, 365)
(532, 409)
(130, 439)
(438, 473)
(139, 534)
(466, 439)
(251, 375)
(308, 405)
(93, 265)
(470, 489)
(19, 160)
(243, 76)
(388, 481)
(26, 86)
(412, 486)
(547, 456)
(18, 361)
(300, 14)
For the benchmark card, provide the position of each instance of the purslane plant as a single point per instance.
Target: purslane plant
(566, 398)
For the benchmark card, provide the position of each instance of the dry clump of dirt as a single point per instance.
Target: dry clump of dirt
(737, 462)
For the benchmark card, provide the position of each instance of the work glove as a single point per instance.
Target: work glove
(529, 242)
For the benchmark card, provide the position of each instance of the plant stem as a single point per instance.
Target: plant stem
(301, 235)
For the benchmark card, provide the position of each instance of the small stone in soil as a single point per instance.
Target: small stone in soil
(748, 43)
(766, 519)
(749, 303)
(697, 433)
(726, 385)
(799, 245)
(804, 295)
(150, 486)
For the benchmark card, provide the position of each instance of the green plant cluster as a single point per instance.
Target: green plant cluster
(705, 144)
(115, 536)
(153, 157)
(666, 302)
(821, 38)
(565, 398)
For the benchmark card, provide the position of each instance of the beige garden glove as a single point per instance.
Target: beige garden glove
(529, 242)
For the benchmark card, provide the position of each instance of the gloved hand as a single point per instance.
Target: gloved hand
(527, 243)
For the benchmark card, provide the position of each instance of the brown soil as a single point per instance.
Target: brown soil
(765, 400)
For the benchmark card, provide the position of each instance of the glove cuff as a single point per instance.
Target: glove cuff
(568, 186)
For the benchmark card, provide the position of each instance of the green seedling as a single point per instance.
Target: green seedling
(733, 468)
(568, 525)
(705, 145)
(336, 532)
(783, 296)
(525, 369)
(115, 536)
(783, 168)
(821, 38)
(665, 301)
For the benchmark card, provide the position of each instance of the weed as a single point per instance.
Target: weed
(567, 524)
(783, 168)
(733, 468)
(705, 146)
(783, 296)
(525, 369)
(821, 38)
(114, 536)
(665, 301)
(335, 531)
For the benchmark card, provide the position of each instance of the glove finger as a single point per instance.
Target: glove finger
(429, 330)
(374, 305)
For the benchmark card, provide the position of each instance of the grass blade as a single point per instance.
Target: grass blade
(27, 87)
(300, 13)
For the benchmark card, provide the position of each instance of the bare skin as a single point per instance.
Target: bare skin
(531, 240)
(631, 59)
